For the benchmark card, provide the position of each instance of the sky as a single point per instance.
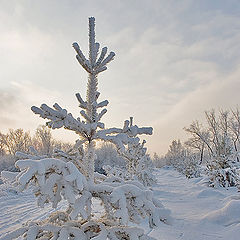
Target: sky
(174, 60)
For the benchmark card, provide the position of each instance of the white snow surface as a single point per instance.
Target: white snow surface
(199, 212)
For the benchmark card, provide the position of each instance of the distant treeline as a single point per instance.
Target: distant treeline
(20, 140)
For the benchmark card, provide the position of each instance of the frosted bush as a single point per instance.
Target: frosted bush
(223, 172)
(191, 168)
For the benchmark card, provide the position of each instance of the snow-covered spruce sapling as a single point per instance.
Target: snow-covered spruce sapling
(60, 178)
(89, 129)
(138, 162)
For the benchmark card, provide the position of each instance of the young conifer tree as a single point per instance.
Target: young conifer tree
(88, 128)
(71, 176)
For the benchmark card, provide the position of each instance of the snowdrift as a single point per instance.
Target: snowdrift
(226, 216)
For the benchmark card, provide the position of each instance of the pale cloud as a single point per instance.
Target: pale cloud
(7, 102)
(174, 59)
(16, 104)
(222, 93)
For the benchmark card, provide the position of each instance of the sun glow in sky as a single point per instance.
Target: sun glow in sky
(174, 59)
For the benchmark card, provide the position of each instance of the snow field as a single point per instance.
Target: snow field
(199, 212)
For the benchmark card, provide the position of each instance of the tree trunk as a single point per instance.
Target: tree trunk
(235, 146)
(89, 160)
(201, 154)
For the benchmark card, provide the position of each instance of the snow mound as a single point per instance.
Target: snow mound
(196, 180)
(203, 181)
(209, 193)
(226, 216)
(232, 197)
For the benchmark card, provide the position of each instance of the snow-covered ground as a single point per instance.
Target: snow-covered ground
(199, 212)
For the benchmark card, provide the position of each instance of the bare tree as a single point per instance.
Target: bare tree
(221, 136)
(218, 136)
(16, 140)
(44, 140)
(2, 144)
(60, 145)
(200, 138)
(196, 144)
(235, 129)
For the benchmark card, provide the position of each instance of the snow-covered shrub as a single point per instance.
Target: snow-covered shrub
(175, 154)
(70, 175)
(223, 168)
(223, 172)
(191, 168)
(218, 144)
(159, 161)
(139, 166)
(227, 177)
(183, 160)
(138, 163)
(188, 166)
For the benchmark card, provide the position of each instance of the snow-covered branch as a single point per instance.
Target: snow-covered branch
(59, 117)
(123, 136)
(55, 180)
